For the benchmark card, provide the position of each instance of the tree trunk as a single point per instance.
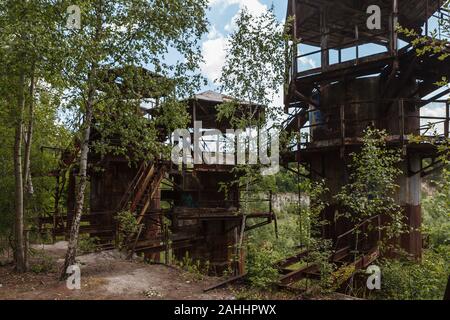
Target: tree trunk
(29, 138)
(75, 228)
(19, 207)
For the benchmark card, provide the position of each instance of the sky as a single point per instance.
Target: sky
(221, 16)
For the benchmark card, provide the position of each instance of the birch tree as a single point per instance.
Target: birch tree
(27, 30)
(117, 34)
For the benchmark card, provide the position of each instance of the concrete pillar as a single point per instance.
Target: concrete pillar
(409, 198)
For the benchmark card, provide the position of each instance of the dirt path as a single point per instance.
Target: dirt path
(104, 276)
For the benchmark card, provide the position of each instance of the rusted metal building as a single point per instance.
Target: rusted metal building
(365, 76)
(182, 207)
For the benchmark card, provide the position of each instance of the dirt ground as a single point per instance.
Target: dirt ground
(104, 276)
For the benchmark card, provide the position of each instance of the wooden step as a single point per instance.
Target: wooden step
(292, 260)
(298, 275)
(341, 255)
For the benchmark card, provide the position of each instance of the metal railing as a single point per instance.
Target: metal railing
(353, 236)
(339, 125)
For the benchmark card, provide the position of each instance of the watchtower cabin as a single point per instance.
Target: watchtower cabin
(348, 73)
(181, 205)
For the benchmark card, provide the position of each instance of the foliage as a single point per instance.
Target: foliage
(264, 248)
(253, 72)
(28, 30)
(298, 227)
(439, 38)
(320, 253)
(43, 263)
(109, 40)
(87, 244)
(437, 206)
(311, 221)
(283, 182)
(435, 43)
(49, 132)
(372, 185)
(436, 222)
(339, 277)
(407, 280)
(195, 268)
(261, 259)
(128, 226)
(124, 131)
(252, 75)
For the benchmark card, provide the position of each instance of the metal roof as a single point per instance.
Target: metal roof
(213, 96)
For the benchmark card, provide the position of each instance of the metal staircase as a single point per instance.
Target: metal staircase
(138, 199)
(356, 248)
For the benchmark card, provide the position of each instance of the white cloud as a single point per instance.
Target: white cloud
(308, 63)
(214, 47)
(278, 98)
(255, 7)
(213, 33)
(433, 110)
(214, 54)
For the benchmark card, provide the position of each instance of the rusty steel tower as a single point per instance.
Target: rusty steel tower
(361, 76)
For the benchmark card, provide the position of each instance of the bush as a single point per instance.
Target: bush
(264, 249)
(43, 264)
(437, 212)
(87, 245)
(195, 268)
(320, 252)
(260, 264)
(408, 280)
(128, 227)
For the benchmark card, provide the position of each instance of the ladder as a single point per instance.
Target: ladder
(140, 194)
(142, 189)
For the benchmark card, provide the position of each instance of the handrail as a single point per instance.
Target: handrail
(338, 118)
(353, 230)
(344, 45)
(359, 226)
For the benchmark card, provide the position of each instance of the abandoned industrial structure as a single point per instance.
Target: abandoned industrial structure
(182, 208)
(366, 78)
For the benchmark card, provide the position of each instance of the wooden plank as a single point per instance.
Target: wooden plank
(225, 282)
(367, 259)
(131, 188)
(298, 275)
(142, 188)
(292, 260)
(154, 187)
(341, 254)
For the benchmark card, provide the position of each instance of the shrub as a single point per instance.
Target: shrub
(43, 264)
(195, 268)
(261, 259)
(128, 227)
(86, 244)
(408, 280)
